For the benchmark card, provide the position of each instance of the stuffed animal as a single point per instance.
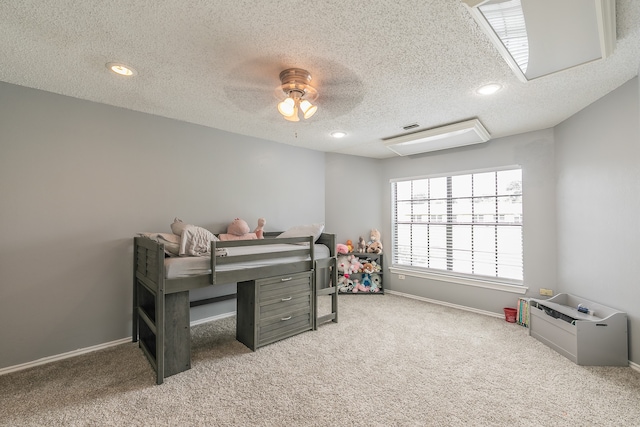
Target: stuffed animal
(374, 246)
(359, 287)
(375, 283)
(375, 266)
(366, 282)
(344, 264)
(355, 266)
(362, 246)
(239, 230)
(238, 227)
(367, 268)
(341, 248)
(350, 245)
(345, 284)
(260, 228)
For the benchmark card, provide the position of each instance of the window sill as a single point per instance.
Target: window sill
(505, 287)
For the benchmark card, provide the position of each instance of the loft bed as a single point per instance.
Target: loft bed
(161, 285)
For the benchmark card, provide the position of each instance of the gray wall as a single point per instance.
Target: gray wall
(598, 198)
(534, 152)
(79, 179)
(353, 205)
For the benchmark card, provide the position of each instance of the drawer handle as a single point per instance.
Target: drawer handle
(285, 318)
(286, 299)
(286, 280)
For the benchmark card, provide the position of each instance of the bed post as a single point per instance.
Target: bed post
(134, 320)
(160, 320)
(149, 294)
(326, 265)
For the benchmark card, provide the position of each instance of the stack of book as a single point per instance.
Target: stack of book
(522, 318)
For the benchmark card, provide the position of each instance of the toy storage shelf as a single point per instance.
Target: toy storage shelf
(363, 257)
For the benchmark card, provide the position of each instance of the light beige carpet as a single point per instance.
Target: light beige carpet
(390, 361)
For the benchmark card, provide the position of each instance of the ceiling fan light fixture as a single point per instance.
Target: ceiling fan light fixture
(287, 107)
(298, 94)
(307, 108)
(293, 117)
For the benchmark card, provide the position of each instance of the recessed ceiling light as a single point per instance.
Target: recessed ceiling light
(121, 69)
(489, 89)
(338, 134)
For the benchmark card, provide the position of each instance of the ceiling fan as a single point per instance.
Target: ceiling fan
(259, 85)
(298, 94)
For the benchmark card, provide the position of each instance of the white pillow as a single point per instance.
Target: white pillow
(314, 230)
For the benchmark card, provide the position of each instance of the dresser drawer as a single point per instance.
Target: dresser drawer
(277, 328)
(283, 307)
(275, 289)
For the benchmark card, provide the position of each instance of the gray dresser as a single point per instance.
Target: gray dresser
(274, 308)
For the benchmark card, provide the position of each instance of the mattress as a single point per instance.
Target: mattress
(178, 267)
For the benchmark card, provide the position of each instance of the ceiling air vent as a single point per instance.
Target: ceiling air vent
(411, 126)
(441, 138)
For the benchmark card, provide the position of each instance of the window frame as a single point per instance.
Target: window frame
(500, 283)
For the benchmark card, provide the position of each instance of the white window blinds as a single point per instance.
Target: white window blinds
(463, 225)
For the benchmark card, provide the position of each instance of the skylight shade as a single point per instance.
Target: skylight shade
(507, 21)
(441, 138)
(541, 37)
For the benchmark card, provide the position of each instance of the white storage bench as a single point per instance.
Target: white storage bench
(595, 338)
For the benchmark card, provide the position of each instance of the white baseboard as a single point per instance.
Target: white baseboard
(93, 348)
(212, 318)
(632, 365)
(63, 356)
(447, 304)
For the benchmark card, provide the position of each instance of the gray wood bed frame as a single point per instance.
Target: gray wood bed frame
(161, 322)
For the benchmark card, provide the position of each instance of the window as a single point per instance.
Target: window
(462, 225)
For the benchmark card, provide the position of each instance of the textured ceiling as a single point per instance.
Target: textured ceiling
(377, 65)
